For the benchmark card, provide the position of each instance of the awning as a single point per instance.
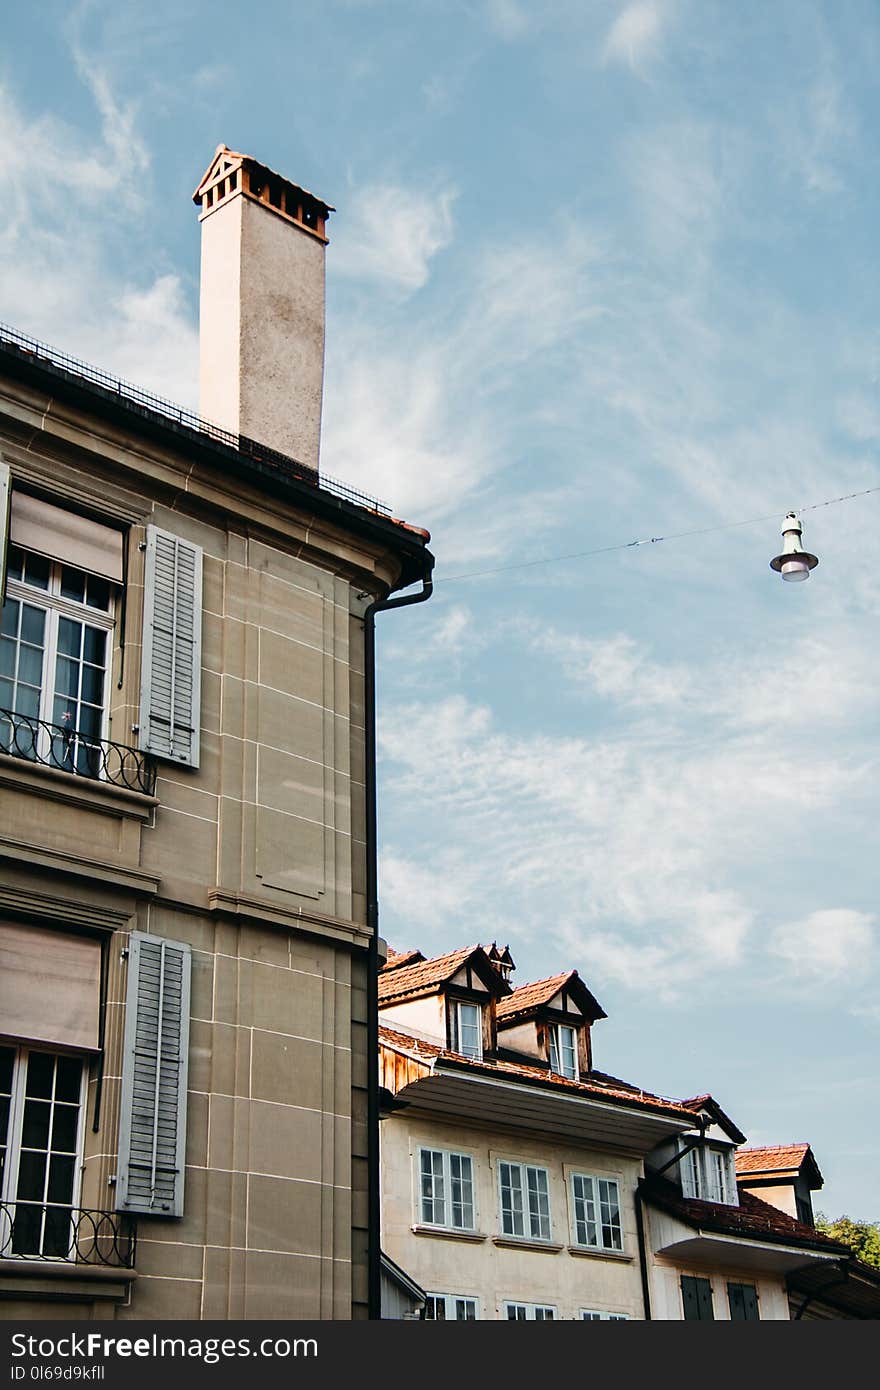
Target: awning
(66, 536)
(50, 986)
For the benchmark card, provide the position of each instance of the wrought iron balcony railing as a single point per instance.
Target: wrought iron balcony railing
(68, 750)
(41, 1231)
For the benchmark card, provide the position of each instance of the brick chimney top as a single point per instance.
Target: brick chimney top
(231, 173)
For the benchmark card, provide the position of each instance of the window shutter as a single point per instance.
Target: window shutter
(696, 1297)
(152, 1127)
(5, 494)
(172, 643)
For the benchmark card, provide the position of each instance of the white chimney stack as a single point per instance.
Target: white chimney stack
(261, 334)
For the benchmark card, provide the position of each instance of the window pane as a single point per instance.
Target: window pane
(92, 685)
(9, 619)
(58, 1232)
(69, 637)
(95, 646)
(435, 1308)
(544, 1315)
(33, 624)
(7, 657)
(465, 1310)
(40, 1069)
(30, 664)
(67, 678)
(7, 1063)
(26, 1230)
(14, 562)
(64, 1127)
(516, 1312)
(98, 593)
(469, 1030)
(68, 1078)
(35, 1126)
(73, 584)
(61, 1175)
(31, 1177)
(554, 1051)
(36, 571)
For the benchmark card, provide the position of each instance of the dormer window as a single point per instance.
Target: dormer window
(563, 1051)
(466, 1028)
(707, 1173)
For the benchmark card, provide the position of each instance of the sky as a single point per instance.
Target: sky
(601, 271)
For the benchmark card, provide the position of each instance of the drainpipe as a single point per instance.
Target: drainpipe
(643, 1254)
(374, 1255)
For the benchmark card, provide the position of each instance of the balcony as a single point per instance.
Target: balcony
(67, 750)
(34, 1231)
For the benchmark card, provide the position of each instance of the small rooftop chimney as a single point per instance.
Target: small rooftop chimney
(261, 335)
(502, 959)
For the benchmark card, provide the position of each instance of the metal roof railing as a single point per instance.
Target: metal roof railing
(148, 403)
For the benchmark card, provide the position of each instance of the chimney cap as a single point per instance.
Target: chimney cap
(261, 183)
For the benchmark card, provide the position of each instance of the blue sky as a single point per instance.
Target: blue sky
(599, 272)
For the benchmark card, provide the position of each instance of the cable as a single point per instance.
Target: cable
(649, 540)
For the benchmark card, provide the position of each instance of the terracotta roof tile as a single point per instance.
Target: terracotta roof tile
(772, 1158)
(598, 1087)
(752, 1218)
(525, 998)
(396, 959)
(412, 981)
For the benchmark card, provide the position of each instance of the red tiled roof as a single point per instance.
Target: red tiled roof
(413, 981)
(535, 995)
(752, 1218)
(396, 959)
(597, 1087)
(772, 1158)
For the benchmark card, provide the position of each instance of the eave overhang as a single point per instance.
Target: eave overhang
(443, 1089)
(711, 1250)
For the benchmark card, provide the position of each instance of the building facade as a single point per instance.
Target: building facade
(521, 1183)
(186, 1058)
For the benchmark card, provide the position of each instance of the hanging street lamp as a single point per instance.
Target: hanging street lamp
(794, 564)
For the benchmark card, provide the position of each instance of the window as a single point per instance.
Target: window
(529, 1312)
(563, 1051)
(446, 1189)
(591, 1315)
(41, 1100)
(54, 659)
(696, 1297)
(466, 1029)
(525, 1201)
(450, 1307)
(596, 1212)
(708, 1173)
(742, 1300)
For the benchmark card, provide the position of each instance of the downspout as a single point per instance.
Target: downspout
(374, 1254)
(643, 1254)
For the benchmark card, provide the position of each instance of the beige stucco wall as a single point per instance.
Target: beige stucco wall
(256, 858)
(424, 1018)
(666, 1304)
(493, 1272)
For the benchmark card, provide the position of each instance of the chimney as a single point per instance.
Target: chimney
(261, 332)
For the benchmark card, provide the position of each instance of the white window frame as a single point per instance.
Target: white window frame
(592, 1192)
(456, 1029)
(597, 1315)
(529, 1212)
(558, 1051)
(51, 602)
(450, 1306)
(13, 1138)
(708, 1174)
(534, 1312)
(447, 1180)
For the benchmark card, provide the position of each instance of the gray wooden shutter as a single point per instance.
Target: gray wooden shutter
(743, 1300)
(696, 1297)
(5, 495)
(152, 1125)
(172, 648)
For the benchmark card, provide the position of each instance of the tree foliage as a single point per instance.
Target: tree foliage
(863, 1237)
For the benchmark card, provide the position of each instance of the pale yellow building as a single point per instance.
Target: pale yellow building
(521, 1183)
(187, 920)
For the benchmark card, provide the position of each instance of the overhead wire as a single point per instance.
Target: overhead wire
(647, 540)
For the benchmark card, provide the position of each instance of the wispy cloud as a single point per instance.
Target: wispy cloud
(391, 233)
(827, 944)
(634, 37)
